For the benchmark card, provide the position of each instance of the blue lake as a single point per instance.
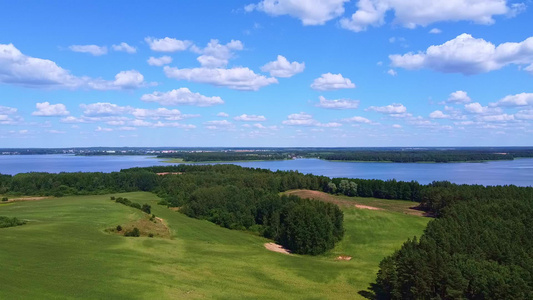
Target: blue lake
(517, 172)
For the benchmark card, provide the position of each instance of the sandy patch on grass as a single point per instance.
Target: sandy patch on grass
(343, 257)
(367, 207)
(276, 248)
(25, 199)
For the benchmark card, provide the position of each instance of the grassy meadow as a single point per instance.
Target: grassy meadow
(65, 252)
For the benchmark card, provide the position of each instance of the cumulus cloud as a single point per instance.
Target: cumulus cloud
(310, 12)
(124, 47)
(357, 119)
(168, 114)
(415, 13)
(524, 114)
(103, 129)
(497, 118)
(396, 126)
(304, 119)
(222, 114)
(45, 109)
(435, 31)
(19, 69)
(218, 124)
(216, 55)
(91, 49)
(104, 109)
(467, 55)
(523, 99)
(476, 108)
(167, 44)
(283, 68)
(337, 104)
(160, 61)
(181, 96)
(239, 78)
(439, 115)
(459, 97)
(329, 81)
(392, 72)
(250, 118)
(8, 116)
(389, 109)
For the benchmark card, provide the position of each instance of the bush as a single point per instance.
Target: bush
(5, 199)
(119, 228)
(146, 208)
(112, 197)
(134, 233)
(151, 235)
(10, 222)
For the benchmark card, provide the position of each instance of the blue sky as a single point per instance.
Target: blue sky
(266, 73)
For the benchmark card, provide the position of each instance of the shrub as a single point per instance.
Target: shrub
(134, 233)
(151, 235)
(5, 199)
(119, 228)
(146, 208)
(112, 197)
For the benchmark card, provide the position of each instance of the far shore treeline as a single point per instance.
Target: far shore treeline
(479, 247)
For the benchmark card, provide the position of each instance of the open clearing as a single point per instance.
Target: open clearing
(64, 251)
(406, 207)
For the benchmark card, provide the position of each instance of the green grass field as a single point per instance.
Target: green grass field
(64, 252)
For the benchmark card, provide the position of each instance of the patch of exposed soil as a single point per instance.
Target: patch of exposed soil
(367, 207)
(25, 199)
(276, 248)
(343, 257)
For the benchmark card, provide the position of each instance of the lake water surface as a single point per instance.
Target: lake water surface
(517, 172)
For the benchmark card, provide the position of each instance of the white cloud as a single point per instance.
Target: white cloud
(235, 78)
(103, 129)
(304, 119)
(524, 114)
(169, 114)
(337, 104)
(91, 49)
(71, 119)
(124, 47)
(415, 13)
(250, 118)
(46, 109)
(467, 55)
(329, 81)
(392, 72)
(181, 96)
(167, 44)
(160, 61)
(5, 110)
(103, 109)
(522, 99)
(216, 55)
(439, 115)
(477, 108)
(8, 116)
(222, 114)
(459, 97)
(357, 119)
(283, 68)
(389, 109)
(496, 118)
(218, 124)
(396, 126)
(127, 128)
(19, 69)
(54, 131)
(310, 12)
(130, 79)
(435, 31)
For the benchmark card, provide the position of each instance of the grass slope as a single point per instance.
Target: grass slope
(63, 252)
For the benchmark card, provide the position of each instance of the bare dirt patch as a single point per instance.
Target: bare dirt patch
(343, 257)
(367, 207)
(25, 199)
(276, 248)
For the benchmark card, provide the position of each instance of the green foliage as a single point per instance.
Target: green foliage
(479, 249)
(146, 208)
(135, 232)
(5, 199)
(10, 222)
(119, 228)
